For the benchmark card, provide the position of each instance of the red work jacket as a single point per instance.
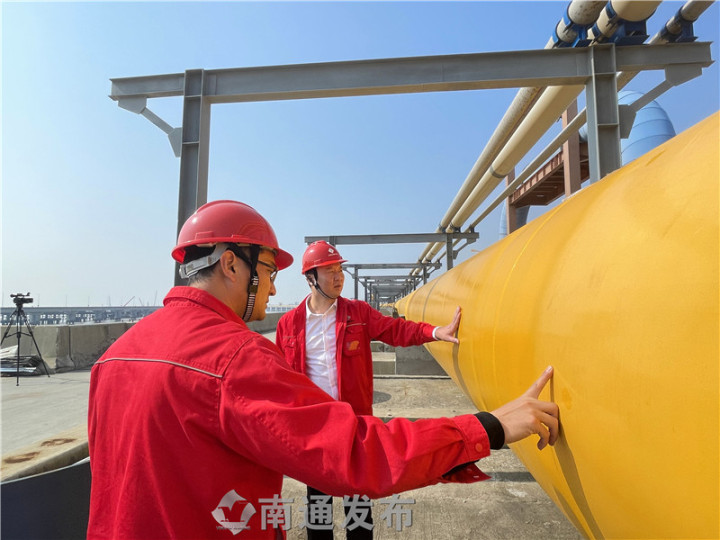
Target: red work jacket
(357, 324)
(193, 420)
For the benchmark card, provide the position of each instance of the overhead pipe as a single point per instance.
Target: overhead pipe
(571, 30)
(617, 288)
(548, 108)
(679, 27)
(546, 105)
(552, 147)
(691, 11)
(651, 128)
(579, 12)
(523, 101)
(623, 21)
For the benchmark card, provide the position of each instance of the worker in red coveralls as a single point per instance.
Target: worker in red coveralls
(194, 419)
(327, 337)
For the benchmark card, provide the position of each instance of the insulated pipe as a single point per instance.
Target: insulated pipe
(691, 11)
(549, 107)
(580, 11)
(580, 15)
(651, 128)
(687, 14)
(524, 99)
(543, 115)
(629, 12)
(617, 288)
(616, 13)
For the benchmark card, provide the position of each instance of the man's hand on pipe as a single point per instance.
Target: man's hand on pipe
(527, 415)
(447, 333)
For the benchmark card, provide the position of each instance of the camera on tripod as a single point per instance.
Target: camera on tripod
(21, 299)
(18, 318)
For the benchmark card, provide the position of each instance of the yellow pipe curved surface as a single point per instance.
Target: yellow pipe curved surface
(618, 289)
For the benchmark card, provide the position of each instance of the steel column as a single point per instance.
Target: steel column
(194, 155)
(571, 154)
(603, 117)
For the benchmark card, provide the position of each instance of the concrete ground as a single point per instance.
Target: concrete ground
(42, 406)
(44, 417)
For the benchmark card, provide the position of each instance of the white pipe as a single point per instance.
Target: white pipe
(572, 128)
(523, 101)
(618, 11)
(690, 12)
(580, 11)
(545, 113)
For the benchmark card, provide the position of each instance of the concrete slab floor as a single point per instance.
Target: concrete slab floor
(41, 407)
(511, 506)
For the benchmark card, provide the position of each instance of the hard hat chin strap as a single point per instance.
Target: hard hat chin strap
(311, 276)
(252, 291)
(252, 288)
(253, 283)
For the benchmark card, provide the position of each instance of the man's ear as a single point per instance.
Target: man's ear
(229, 265)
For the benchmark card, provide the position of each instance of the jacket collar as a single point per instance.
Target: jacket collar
(205, 299)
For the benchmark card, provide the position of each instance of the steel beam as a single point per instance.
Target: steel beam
(412, 238)
(394, 279)
(596, 67)
(387, 266)
(508, 69)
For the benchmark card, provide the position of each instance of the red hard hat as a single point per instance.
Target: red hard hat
(320, 253)
(232, 222)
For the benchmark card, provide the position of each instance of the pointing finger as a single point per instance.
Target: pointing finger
(537, 386)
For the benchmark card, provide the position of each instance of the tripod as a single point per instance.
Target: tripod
(19, 317)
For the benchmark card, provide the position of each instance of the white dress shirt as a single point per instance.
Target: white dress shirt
(321, 348)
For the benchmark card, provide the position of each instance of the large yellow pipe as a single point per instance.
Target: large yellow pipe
(618, 288)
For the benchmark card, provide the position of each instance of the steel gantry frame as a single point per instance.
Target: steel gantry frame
(380, 285)
(594, 67)
(426, 268)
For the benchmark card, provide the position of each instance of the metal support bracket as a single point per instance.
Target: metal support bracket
(675, 75)
(138, 105)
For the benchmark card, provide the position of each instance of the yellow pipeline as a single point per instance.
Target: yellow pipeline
(618, 288)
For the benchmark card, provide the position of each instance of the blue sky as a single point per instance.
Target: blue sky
(89, 191)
